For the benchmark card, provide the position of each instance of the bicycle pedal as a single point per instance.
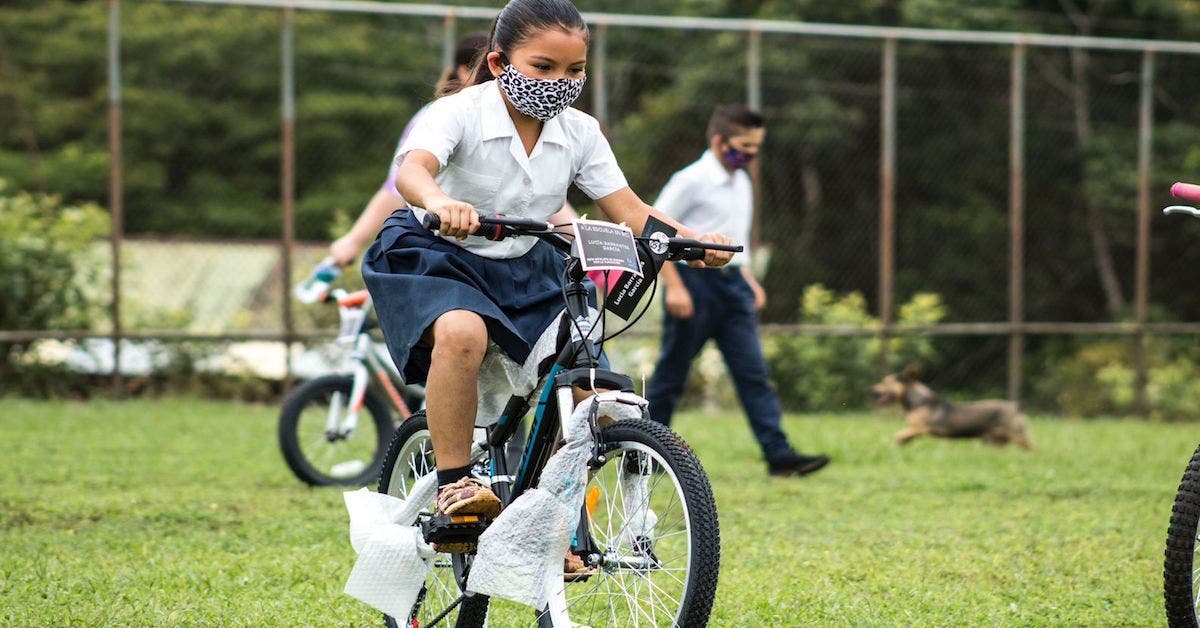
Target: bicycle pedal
(454, 533)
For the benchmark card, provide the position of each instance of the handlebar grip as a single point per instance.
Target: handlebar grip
(1186, 191)
(689, 254)
(488, 229)
(696, 244)
(496, 227)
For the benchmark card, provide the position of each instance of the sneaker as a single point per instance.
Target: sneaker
(793, 463)
(468, 496)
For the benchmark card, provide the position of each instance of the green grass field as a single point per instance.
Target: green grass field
(181, 512)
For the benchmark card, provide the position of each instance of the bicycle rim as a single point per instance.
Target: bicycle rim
(651, 513)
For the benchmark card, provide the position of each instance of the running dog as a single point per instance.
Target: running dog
(994, 421)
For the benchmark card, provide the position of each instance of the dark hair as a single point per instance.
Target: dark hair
(468, 50)
(518, 21)
(730, 120)
(469, 47)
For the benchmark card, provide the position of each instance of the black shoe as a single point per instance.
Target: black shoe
(796, 464)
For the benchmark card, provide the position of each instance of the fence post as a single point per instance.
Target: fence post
(887, 195)
(754, 71)
(448, 40)
(1016, 221)
(754, 101)
(1142, 287)
(288, 181)
(599, 73)
(116, 185)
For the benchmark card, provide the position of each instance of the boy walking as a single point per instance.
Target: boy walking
(714, 194)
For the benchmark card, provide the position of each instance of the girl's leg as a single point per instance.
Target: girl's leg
(459, 343)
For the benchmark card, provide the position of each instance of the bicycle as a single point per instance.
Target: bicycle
(322, 438)
(1181, 581)
(664, 573)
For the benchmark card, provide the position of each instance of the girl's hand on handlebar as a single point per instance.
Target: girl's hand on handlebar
(713, 259)
(459, 219)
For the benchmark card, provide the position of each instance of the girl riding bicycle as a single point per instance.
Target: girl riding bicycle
(510, 145)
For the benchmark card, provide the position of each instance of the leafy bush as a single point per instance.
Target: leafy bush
(1071, 384)
(1172, 390)
(1099, 379)
(836, 372)
(47, 265)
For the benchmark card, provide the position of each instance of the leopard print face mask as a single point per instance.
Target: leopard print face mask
(539, 98)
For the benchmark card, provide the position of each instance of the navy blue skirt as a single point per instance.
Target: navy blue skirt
(415, 276)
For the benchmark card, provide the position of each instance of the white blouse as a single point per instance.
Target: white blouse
(484, 163)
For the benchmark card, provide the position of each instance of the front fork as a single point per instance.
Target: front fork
(337, 427)
(583, 544)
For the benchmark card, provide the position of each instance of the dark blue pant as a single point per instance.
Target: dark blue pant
(723, 310)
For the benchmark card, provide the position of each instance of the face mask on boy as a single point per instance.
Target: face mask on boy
(736, 159)
(539, 98)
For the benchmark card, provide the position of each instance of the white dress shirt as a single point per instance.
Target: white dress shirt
(709, 199)
(483, 161)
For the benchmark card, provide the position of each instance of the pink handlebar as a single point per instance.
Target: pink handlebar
(1186, 191)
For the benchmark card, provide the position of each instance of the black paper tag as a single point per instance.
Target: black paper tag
(627, 290)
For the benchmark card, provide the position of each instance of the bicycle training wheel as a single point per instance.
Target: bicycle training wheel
(320, 458)
(652, 515)
(1181, 582)
(410, 456)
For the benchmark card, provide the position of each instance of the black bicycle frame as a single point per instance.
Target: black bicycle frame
(576, 366)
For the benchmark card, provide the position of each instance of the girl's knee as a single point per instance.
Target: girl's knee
(460, 333)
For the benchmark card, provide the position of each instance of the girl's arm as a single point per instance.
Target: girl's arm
(415, 183)
(623, 206)
(345, 249)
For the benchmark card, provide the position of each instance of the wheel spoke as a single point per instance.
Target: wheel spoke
(623, 592)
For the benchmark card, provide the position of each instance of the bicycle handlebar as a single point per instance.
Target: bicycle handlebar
(497, 227)
(1187, 192)
(493, 227)
(689, 243)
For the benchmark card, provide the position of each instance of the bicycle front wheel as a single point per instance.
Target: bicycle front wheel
(653, 519)
(409, 457)
(1181, 582)
(340, 457)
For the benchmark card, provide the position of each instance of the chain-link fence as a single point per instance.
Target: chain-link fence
(1012, 175)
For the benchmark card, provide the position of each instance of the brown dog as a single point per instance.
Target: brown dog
(993, 421)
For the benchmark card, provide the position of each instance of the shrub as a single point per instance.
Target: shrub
(1099, 379)
(836, 372)
(47, 265)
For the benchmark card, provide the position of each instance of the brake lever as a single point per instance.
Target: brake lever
(1182, 209)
